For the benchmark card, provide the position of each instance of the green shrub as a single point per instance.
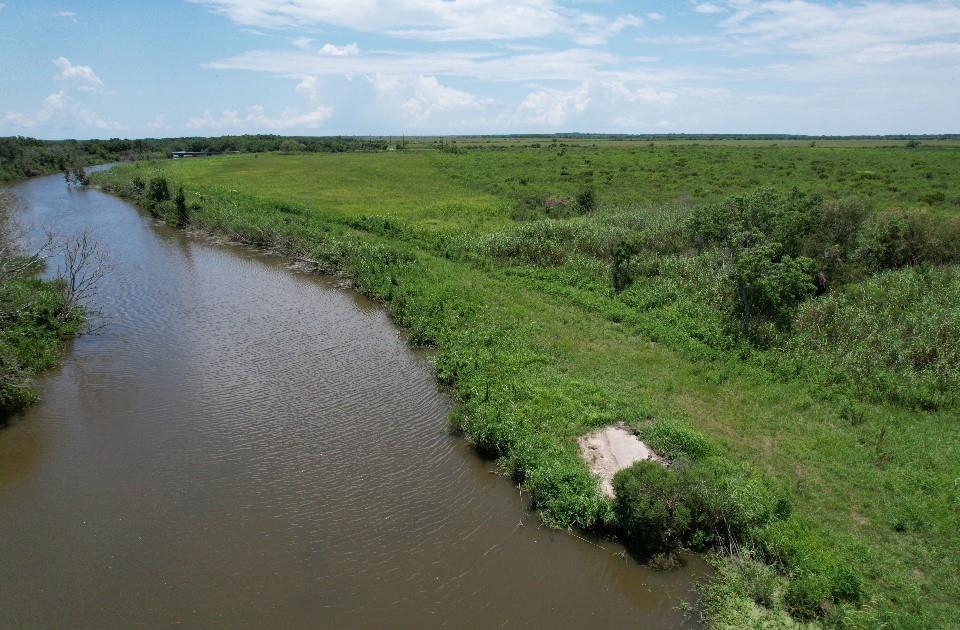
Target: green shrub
(620, 269)
(35, 322)
(818, 575)
(769, 285)
(894, 336)
(651, 507)
(830, 240)
(564, 491)
(586, 201)
(898, 238)
(729, 500)
(550, 242)
(159, 190)
(700, 503)
(808, 595)
(761, 581)
(743, 593)
(763, 236)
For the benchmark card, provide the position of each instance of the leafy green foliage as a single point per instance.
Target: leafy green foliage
(896, 335)
(651, 507)
(899, 238)
(698, 503)
(586, 201)
(817, 578)
(769, 285)
(158, 190)
(31, 338)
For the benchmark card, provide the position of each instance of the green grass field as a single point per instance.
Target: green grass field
(847, 405)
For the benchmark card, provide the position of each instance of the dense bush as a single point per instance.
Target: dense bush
(652, 507)
(698, 503)
(702, 503)
(550, 242)
(895, 335)
(898, 238)
(586, 201)
(765, 237)
(158, 190)
(818, 577)
(34, 325)
(769, 284)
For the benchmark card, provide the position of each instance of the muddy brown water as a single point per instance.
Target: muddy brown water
(241, 445)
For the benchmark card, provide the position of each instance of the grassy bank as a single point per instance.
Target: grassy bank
(36, 318)
(816, 447)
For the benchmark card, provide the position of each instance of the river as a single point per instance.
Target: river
(242, 445)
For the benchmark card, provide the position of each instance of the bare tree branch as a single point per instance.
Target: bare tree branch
(13, 259)
(84, 264)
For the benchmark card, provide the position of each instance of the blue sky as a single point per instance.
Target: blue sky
(135, 68)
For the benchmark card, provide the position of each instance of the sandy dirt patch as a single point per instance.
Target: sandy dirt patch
(610, 450)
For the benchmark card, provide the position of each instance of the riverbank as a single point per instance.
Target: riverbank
(539, 355)
(245, 445)
(36, 320)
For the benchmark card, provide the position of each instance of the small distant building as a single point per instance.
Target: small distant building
(176, 155)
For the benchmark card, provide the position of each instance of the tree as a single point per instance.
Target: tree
(183, 213)
(775, 246)
(768, 284)
(80, 176)
(291, 146)
(84, 264)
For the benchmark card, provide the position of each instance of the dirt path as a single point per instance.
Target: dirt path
(610, 450)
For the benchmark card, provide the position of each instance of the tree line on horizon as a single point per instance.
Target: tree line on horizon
(22, 157)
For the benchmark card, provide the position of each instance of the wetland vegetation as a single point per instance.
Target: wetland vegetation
(36, 315)
(781, 322)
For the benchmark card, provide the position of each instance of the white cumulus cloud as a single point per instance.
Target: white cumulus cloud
(707, 7)
(421, 99)
(332, 50)
(257, 119)
(552, 108)
(84, 74)
(289, 118)
(58, 108)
